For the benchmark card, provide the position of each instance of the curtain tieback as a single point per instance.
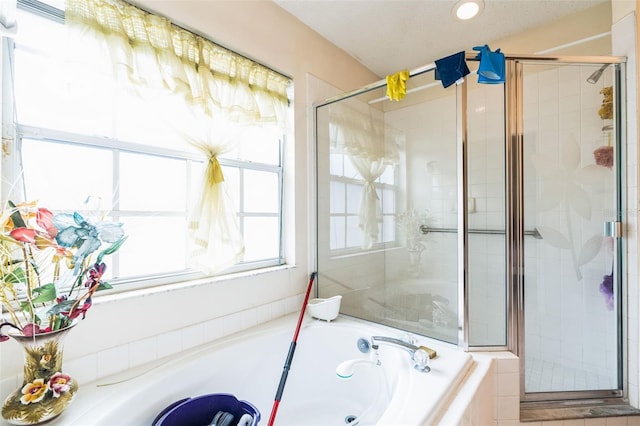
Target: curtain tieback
(214, 171)
(369, 188)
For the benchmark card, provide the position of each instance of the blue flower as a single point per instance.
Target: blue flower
(75, 231)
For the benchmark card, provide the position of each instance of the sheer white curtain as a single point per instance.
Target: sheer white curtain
(370, 209)
(217, 242)
(205, 92)
(371, 145)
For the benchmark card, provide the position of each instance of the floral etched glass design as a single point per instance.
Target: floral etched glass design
(570, 175)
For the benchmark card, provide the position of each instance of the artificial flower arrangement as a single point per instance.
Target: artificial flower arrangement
(47, 272)
(604, 155)
(606, 109)
(411, 222)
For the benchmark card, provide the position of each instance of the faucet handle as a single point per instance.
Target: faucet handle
(421, 360)
(409, 338)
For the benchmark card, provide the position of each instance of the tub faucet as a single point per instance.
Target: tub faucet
(345, 369)
(419, 354)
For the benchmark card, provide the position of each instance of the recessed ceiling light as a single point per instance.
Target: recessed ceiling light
(467, 9)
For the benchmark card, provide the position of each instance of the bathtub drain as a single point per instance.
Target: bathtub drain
(351, 420)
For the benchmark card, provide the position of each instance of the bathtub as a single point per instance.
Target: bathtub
(249, 366)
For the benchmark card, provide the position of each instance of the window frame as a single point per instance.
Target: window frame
(13, 132)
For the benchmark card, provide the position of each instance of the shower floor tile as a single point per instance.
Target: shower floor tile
(548, 376)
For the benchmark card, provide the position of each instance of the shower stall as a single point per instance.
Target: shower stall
(488, 216)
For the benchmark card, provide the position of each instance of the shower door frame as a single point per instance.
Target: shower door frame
(514, 187)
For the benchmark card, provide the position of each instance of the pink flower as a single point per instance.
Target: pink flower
(95, 275)
(24, 235)
(31, 329)
(80, 310)
(59, 383)
(44, 219)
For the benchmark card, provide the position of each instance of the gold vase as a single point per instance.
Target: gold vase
(46, 391)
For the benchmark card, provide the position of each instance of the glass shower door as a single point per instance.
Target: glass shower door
(571, 199)
(387, 182)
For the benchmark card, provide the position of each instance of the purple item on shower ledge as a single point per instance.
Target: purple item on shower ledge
(606, 288)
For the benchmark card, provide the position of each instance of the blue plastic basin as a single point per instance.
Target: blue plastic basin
(199, 411)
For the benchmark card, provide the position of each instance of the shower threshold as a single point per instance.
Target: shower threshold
(566, 410)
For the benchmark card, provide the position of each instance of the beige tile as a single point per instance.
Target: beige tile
(633, 421)
(508, 423)
(573, 422)
(510, 365)
(508, 384)
(616, 421)
(508, 408)
(553, 423)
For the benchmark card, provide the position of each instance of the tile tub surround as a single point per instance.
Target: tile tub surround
(489, 396)
(106, 343)
(159, 383)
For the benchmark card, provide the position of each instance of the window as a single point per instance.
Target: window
(346, 186)
(364, 188)
(82, 144)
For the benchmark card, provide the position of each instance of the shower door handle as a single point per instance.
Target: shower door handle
(613, 229)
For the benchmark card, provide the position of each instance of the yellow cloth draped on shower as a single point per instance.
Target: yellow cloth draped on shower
(397, 85)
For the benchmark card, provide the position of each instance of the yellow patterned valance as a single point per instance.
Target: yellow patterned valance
(149, 51)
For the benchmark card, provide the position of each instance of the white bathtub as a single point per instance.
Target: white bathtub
(249, 365)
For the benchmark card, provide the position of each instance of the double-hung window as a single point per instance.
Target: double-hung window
(365, 153)
(77, 139)
(345, 204)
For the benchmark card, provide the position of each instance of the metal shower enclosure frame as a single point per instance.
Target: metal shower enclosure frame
(514, 213)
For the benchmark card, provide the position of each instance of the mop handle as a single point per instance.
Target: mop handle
(292, 349)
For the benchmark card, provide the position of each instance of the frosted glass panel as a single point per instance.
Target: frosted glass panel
(486, 215)
(375, 191)
(571, 300)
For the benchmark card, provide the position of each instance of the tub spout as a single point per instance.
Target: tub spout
(419, 354)
(345, 369)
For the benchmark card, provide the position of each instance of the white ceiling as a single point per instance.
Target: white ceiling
(387, 36)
